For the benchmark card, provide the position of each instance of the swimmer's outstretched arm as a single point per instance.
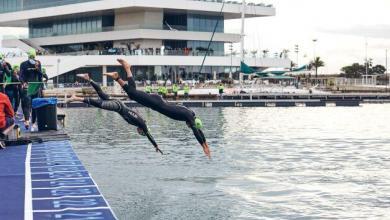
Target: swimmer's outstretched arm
(151, 139)
(201, 139)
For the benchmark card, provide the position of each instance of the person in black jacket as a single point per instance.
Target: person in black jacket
(12, 87)
(31, 77)
(5, 70)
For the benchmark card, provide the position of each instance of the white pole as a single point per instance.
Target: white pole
(242, 35)
(366, 59)
(387, 73)
(58, 70)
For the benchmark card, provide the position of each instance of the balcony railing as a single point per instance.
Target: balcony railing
(140, 52)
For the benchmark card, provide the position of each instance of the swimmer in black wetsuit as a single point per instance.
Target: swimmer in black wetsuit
(156, 103)
(106, 103)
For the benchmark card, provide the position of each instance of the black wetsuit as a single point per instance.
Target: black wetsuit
(155, 102)
(129, 115)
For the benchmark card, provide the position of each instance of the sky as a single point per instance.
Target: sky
(341, 27)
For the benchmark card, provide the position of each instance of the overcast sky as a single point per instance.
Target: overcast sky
(341, 27)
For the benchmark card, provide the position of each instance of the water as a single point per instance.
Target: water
(268, 163)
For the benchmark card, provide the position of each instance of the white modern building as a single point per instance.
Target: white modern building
(161, 39)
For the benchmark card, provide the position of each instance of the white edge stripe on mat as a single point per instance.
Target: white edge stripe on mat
(105, 200)
(28, 211)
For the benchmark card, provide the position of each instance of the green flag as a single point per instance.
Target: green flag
(246, 69)
(33, 88)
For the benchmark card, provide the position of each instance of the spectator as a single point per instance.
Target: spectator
(31, 77)
(186, 91)
(12, 87)
(221, 87)
(175, 90)
(5, 70)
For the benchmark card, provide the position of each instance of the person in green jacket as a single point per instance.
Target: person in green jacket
(221, 87)
(186, 91)
(164, 91)
(148, 89)
(175, 90)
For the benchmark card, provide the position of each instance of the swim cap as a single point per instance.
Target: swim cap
(1, 56)
(15, 67)
(31, 53)
(198, 123)
(43, 70)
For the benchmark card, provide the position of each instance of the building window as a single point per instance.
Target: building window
(70, 26)
(205, 23)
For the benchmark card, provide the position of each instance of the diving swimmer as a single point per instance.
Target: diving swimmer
(155, 102)
(106, 103)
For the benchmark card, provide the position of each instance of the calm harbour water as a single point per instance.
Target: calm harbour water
(268, 163)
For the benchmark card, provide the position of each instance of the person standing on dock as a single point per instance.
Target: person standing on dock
(175, 90)
(31, 76)
(106, 103)
(186, 91)
(155, 102)
(221, 87)
(148, 89)
(5, 71)
(12, 85)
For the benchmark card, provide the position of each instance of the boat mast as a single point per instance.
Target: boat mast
(242, 36)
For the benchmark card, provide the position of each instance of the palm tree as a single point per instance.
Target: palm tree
(317, 63)
(285, 53)
(265, 53)
(254, 52)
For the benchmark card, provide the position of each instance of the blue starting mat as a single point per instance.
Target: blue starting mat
(48, 181)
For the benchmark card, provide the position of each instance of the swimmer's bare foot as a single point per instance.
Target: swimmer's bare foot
(124, 63)
(126, 66)
(113, 75)
(84, 76)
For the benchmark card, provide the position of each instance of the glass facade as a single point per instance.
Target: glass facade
(19, 5)
(70, 26)
(193, 22)
(205, 23)
(10, 5)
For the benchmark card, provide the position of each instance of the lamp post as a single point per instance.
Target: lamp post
(231, 59)
(58, 69)
(296, 50)
(314, 48)
(387, 73)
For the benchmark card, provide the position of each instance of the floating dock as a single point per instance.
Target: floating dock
(46, 180)
(244, 103)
